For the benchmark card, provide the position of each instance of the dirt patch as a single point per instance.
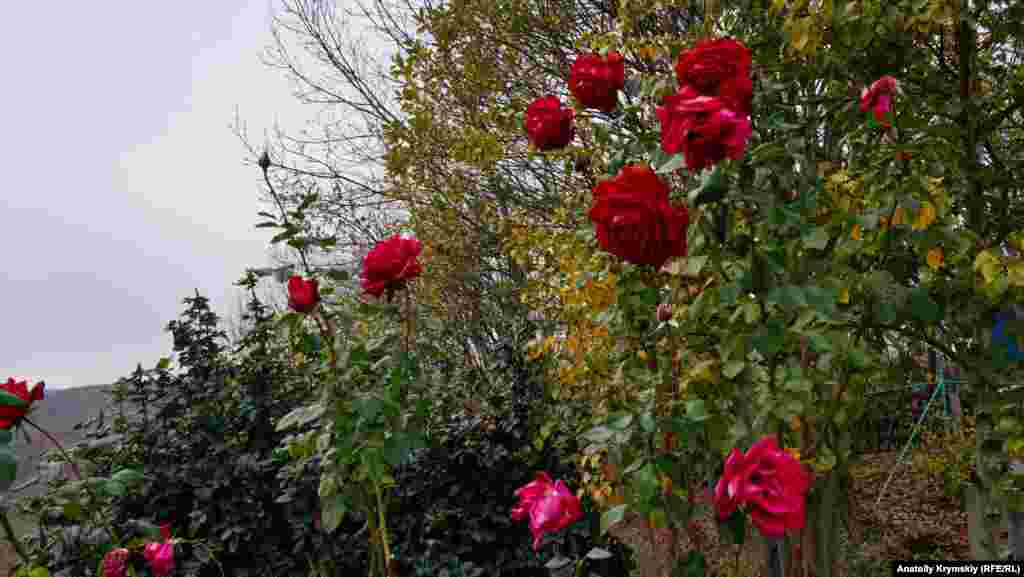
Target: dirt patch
(8, 559)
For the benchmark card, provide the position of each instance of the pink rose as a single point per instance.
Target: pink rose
(303, 294)
(769, 483)
(596, 81)
(390, 264)
(160, 557)
(878, 98)
(703, 128)
(634, 219)
(115, 563)
(548, 125)
(721, 68)
(550, 506)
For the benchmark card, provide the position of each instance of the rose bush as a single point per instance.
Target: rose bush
(635, 220)
(548, 124)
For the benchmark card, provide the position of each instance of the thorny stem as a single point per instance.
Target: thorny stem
(74, 467)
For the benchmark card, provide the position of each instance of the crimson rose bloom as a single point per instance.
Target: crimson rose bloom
(769, 483)
(635, 220)
(878, 98)
(719, 67)
(595, 81)
(548, 125)
(550, 506)
(11, 413)
(115, 563)
(390, 264)
(303, 295)
(703, 128)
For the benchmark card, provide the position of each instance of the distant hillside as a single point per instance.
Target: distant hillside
(58, 413)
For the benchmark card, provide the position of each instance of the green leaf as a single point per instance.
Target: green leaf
(674, 163)
(695, 410)
(733, 368)
(817, 238)
(598, 553)
(736, 526)
(332, 511)
(269, 224)
(300, 416)
(693, 566)
(114, 488)
(339, 275)
(128, 476)
(8, 399)
(612, 516)
(620, 422)
(6, 436)
(8, 467)
(73, 510)
(647, 423)
(770, 339)
(163, 364)
(923, 308)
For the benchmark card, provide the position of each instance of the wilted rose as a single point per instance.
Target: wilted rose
(549, 125)
(595, 80)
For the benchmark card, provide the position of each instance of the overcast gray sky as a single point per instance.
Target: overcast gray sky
(124, 188)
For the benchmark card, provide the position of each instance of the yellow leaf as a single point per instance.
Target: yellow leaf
(899, 217)
(855, 232)
(1016, 273)
(936, 258)
(988, 265)
(925, 216)
(844, 296)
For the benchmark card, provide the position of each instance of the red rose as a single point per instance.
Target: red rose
(719, 68)
(769, 483)
(390, 264)
(635, 220)
(115, 562)
(595, 81)
(303, 295)
(18, 400)
(878, 98)
(550, 506)
(702, 128)
(549, 125)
